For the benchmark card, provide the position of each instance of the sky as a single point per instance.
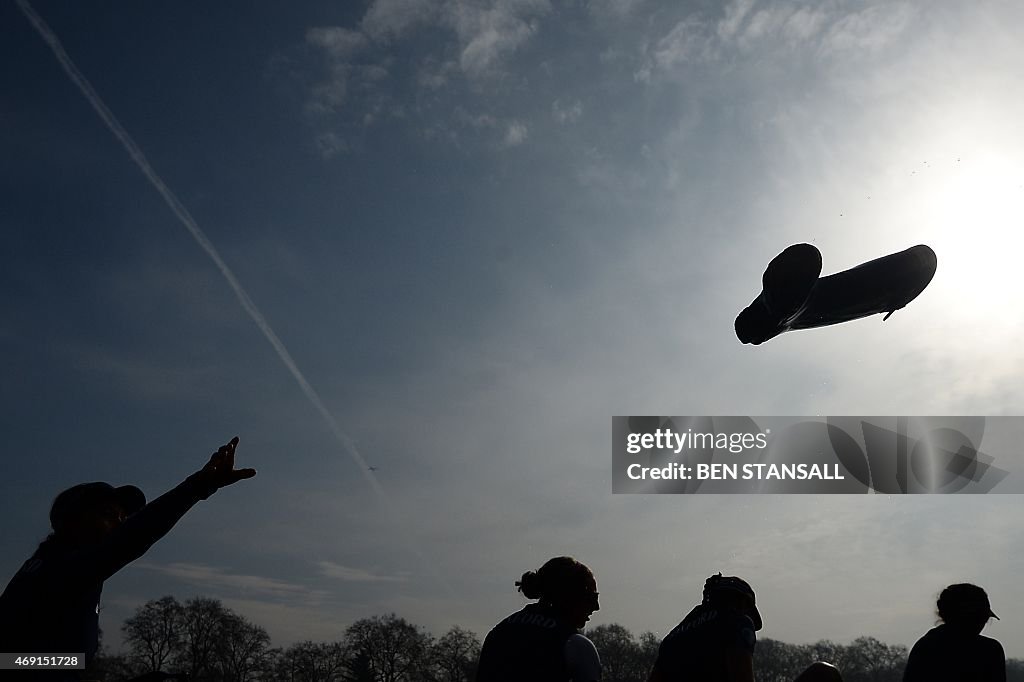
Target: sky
(476, 231)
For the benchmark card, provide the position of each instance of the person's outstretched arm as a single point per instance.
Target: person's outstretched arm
(138, 532)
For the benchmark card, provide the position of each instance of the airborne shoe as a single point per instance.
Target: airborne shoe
(789, 278)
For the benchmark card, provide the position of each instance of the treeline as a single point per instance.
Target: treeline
(625, 659)
(212, 643)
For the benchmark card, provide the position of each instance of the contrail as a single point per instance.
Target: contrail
(197, 233)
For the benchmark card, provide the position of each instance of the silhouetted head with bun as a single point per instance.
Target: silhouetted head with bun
(565, 586)
(965, 606)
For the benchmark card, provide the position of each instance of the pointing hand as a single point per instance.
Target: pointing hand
(220, 471)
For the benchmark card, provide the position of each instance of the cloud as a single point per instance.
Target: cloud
(338, 42)
(434, 74)
(487, 129)
(612, 9)
(688, 41)
(748, 27)
(516, 134)
(566, 113)
(363, 71)
(489, 34)
(338, 45)
(392, 18)
(358, 575)
(735, 13)
(288, 624)
(329, 95)
(485, 32)
(789, 24)
(804, 23)
(345, 75)
(869, 29)
(212, 577)
(330, 144)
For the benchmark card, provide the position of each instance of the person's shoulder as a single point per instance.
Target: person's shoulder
(736, 621)
(532, 615)
(502, 629)
(939, 637)
(698, 615)
(927, 657)
(579, 645)
(578, 639)
(50, 555)
(511, 616)
(581, 658)
(991, 646)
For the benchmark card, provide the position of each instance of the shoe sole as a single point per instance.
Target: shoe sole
(789, 278)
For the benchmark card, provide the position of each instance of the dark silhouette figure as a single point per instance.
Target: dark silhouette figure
(956, 651)
(52, 603)
(794, 297)
(715, 641)
(542, 642)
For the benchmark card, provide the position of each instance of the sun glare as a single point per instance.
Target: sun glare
(977, 229)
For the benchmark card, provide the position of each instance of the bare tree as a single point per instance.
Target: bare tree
(454, 657)
(649, 645)
(621, 655)
(202, 625)
(393, 649)
(869, 660)
(312, 662)
(154, 634)
(107, 666)
(776, 661)
(866, 659)
(827, 650)
(242, 649)
(359, 668)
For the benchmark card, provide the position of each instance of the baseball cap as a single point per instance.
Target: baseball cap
(87, 496)
(964, 599)
(718, 584)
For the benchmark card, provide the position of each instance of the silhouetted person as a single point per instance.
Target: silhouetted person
(542, 642)
(52, 604)
(715, 641)
(794, 297)
(956, 651)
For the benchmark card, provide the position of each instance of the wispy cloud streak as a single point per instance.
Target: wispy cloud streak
(357, 575)
(212, 576)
